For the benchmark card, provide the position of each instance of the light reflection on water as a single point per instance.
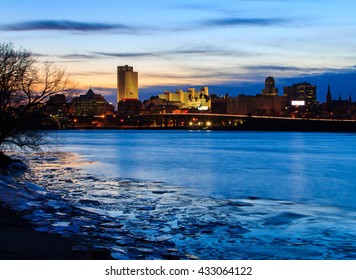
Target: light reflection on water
(300, 167)
(198, 194)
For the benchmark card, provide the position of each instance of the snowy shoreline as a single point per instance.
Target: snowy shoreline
(154, 220)
(80, 220)
(19, 240)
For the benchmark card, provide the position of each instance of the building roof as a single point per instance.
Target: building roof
(90, 93)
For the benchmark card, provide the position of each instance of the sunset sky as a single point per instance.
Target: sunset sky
(229, 45)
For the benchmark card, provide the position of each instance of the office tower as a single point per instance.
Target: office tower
(301, 92)
(127, 83)
(91, 104)
(270, 88)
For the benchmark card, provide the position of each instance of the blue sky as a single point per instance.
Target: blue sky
(230, 45)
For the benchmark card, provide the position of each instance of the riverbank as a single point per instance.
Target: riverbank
(20, 241)
(59, 201)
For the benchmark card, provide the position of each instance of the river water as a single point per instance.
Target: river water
(299, 167)
(204, 194)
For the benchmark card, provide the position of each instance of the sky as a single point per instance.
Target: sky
(229, 45)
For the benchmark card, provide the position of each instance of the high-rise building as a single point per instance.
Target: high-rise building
(301, 92)
(127, 83)
(270, 88)
(91, 104)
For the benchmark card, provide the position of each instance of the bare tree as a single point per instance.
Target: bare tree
(25, 86)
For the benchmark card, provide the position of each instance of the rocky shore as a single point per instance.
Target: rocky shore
(18, 239)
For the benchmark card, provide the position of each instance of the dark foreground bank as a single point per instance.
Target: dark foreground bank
(19, 241)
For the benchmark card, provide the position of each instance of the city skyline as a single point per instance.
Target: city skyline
(230, 47)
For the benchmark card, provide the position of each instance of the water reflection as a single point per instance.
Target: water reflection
(295, 166)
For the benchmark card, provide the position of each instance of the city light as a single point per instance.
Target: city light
(298, 103)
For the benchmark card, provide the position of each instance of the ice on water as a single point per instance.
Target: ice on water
(155, 220)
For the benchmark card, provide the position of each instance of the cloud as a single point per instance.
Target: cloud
(147, 54)
(63, 25)
(155, 54)
(39, 55)
(272, 68)
(152, 54)
(125, 54)
(170, 53)
(84, 27)
(206, 7)
(233, 21)
(204, 75)
(92, 73)
(78, 56)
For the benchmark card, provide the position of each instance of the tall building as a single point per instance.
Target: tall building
(127, 83)
(270, 88)
(301, 92)
(91, 104)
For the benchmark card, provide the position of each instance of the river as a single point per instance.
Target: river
(206, 194)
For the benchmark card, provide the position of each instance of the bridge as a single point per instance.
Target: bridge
(183, 120)
(233, 122)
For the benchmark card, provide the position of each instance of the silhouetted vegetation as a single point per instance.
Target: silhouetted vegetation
(25, 86)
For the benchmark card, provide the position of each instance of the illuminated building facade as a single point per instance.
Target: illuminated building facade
(270, 88)
(127, 83)
(191, 99)
(301, 92)
(91, 104)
